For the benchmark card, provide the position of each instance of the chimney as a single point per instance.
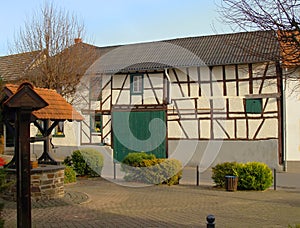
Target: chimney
(78, 40)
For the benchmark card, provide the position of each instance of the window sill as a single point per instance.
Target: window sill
(58, 136)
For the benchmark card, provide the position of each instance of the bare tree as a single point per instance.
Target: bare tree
(280, 16)
(63, 57)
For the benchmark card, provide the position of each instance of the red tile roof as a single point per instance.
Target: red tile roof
(58, 108)
(289, 47)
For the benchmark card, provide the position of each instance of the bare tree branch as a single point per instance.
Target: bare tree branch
(280, 16)
(53, 31)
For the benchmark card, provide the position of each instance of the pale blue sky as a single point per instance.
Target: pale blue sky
(112, 22)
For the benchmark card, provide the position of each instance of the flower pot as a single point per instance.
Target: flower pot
(34, 164)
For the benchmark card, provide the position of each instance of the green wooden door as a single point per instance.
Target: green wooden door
(139, 132)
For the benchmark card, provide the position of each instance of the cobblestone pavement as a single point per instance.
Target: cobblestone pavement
(99, 203)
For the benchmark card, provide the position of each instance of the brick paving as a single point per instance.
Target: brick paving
(99, 203)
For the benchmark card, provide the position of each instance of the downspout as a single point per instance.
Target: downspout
(169, 87)
(284, 157)
(283, 114)
(169, 101)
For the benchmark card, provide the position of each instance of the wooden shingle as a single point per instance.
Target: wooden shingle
(58, 108)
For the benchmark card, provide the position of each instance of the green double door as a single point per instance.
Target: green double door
(139, 132)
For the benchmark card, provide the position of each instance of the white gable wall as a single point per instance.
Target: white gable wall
(293, 119)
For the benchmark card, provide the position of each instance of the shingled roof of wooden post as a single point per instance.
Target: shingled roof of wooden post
(58, 108)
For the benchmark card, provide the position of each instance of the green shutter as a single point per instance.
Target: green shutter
(139, 138)
(254, 105)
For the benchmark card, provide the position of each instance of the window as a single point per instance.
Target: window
(254, 105)
(136, 84)
(96, 123)
(59, 130)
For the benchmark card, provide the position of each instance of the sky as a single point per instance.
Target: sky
(114, 22)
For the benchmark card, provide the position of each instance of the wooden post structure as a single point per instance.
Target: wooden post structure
(23, 102)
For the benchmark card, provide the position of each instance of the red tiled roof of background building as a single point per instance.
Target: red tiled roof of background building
(289, 47)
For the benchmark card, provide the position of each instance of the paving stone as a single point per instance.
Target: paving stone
(100, 203)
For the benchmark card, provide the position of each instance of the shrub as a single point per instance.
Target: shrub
(68, 161)
(1, 223)
(86, 162)
(135, 159)
(222, 170)
(171, 168)
(296, 226)
(151, 170)
(4, 184)
(252, 175)
(70, 175)
(2, 179)
(1, 220)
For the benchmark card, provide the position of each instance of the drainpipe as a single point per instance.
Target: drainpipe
(284, 124)
(169, 87)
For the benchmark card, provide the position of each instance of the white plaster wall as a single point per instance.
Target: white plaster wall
(269, 127)
(208, 153)
(292, 122)
(71, 131)
(148, 95)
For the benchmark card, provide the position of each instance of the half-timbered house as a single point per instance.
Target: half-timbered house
(203, 99)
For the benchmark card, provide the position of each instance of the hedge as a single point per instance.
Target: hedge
(70, 175)
(86, 162)
(146, 168)
(254, 176)
(251, 175)
(222, 170)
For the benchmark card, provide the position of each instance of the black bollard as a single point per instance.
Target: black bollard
(210, 221)
(197, 175)
(115, 170)
(275, 180)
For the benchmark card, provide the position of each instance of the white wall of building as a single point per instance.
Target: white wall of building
(293, 120)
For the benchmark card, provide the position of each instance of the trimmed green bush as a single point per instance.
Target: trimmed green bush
(251, 176)
(86, 162)
(295, 226)
(254, 176)
(222, 170)
(146, 168)
(135, 159)
(70, 175)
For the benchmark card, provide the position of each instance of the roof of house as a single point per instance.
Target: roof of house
(289, 47)
(58, 108)
(225, 49)
(212, 50)
(14, 66)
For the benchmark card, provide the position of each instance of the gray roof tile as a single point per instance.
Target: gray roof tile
(12, 67)
(235, 48)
